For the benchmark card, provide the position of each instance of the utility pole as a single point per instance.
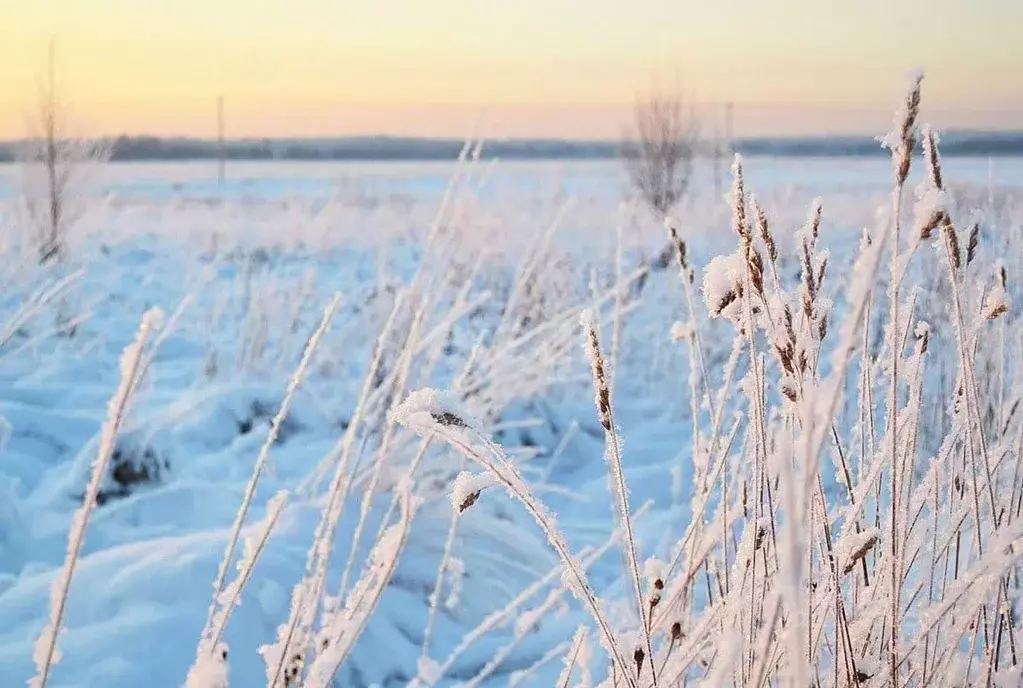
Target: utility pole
(728, 129)
(717, 156)
(220, 140)
(722, 143)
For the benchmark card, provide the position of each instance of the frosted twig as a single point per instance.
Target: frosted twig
(264, 453)
(614, 460)
(428, 412)
(341, 629)
(46, 653)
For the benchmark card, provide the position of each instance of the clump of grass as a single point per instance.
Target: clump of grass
(906, 575)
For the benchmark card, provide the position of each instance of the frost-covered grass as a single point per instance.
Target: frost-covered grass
(905, 571)
(811, 476)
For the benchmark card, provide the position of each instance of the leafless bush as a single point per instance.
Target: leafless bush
(659, 159)
(55, 167)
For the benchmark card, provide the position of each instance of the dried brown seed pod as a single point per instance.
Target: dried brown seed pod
(739, 223)
(468, 501)
(638, 656)
(924, 339)
(756, 271)
(933, 159)
(971, 244)
(788, 390)
(448, 419)
(680, 248)
(953, 242)
(602, 394)
(729, 297)
(861, 551)
(927, 227)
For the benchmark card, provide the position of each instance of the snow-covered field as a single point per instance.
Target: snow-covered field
(476, 275)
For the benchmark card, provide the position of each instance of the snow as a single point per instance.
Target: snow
(680, 332)
(723, 285)
(246, 273)
(428, 407)
(996, 302)
(209, 671)
(466, 489)
(854, 546)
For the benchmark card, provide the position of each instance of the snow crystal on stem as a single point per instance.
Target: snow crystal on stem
(45, 653)
(579, 655)
(210, 670)
(996, 303)
(723, 286)
(342, 625)
(418, 414)
(428, 671)
(456, 572)
(466, 489)
(681, 332)
(230, 596)
(654, 570)
(428, 407)
(854, 546)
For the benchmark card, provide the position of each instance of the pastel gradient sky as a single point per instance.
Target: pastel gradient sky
(567, 68)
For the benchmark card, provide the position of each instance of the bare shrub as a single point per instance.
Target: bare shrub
(55, 167)
(659, 159)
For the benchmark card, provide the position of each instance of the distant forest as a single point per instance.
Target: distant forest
(383, 148)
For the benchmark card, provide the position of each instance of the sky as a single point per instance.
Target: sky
(507, 68)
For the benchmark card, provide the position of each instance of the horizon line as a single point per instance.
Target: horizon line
(960, 143)
(425, 138)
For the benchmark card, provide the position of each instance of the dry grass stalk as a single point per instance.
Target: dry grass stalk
(420, 413)
(264, 452)
(902, 148)
(295, 637)
(46, 654)
(602, 399)
(902, 141)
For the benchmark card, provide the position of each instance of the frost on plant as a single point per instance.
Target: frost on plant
(723, 287)
(466, 489)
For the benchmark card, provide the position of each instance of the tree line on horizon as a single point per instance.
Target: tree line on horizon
(383, 148)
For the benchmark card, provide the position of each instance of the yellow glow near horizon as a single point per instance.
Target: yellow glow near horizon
(554, 68)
